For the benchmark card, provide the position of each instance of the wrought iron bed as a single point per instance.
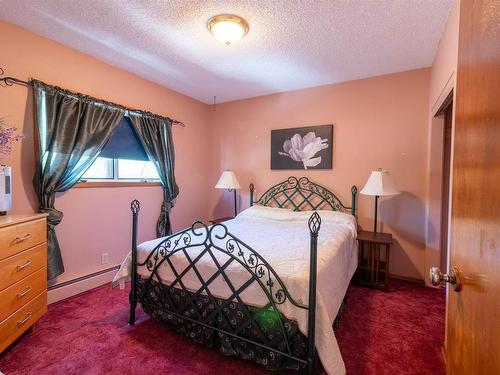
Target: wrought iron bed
(261, 334)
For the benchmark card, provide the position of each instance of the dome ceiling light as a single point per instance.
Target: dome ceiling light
(228, 28)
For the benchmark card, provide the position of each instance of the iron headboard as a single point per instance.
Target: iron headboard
(300, 194)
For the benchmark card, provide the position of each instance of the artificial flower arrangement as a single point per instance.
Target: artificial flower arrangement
(8, 136)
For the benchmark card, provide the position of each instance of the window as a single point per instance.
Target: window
(123, 158)
(121, 169)
(131, 169)
(102, 168)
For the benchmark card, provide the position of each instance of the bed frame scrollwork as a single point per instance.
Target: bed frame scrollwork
(201, 241)
(300, 194)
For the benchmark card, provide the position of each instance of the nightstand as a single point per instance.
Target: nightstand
(220, 220)
(373, 259)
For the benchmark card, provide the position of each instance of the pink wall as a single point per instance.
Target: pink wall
(445, 63)
(98, 220)
(378, 122)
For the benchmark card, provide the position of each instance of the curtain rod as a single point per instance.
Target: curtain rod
(9, 81)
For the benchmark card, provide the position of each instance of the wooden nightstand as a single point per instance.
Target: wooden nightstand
(221, 220)
(373, 265)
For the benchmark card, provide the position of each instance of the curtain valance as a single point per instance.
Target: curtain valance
(100, 102)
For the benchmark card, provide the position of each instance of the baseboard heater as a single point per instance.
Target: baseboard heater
(80, 284)
(82, 278)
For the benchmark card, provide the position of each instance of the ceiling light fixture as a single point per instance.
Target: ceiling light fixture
(228, 28)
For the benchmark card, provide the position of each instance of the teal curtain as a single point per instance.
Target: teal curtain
(72, 130)
(156, 137)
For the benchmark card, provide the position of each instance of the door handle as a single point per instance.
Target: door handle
(438, 278)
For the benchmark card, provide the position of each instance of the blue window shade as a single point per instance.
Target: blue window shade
(124, 143)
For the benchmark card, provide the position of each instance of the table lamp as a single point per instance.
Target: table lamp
(379, 183)
(229, 181)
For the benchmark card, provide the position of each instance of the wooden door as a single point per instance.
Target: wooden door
(473, 331)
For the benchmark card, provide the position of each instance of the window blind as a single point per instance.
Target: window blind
(124, 143)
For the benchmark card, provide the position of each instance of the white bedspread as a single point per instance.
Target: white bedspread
(282, 238)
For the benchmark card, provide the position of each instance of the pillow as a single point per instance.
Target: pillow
(336, 218)
(332, 215)
(285, 214)
(257, 211)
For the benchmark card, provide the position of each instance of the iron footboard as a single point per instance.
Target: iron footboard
(223, 248)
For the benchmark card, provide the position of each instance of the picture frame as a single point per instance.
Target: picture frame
(308, 147)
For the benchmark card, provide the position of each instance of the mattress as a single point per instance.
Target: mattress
(282, 238)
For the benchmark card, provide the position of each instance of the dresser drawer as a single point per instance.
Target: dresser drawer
(22, 236)
(22, 292)
(12, 327)
(17, 267)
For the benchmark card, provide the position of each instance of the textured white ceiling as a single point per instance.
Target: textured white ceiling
(292, 44)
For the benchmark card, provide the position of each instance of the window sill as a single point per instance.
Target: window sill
(114, 184)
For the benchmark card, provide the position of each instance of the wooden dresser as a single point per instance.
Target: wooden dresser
(23, 274)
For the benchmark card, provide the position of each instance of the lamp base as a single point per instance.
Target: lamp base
(376, 214)
(235, 208)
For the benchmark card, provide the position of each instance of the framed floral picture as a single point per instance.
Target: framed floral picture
(309, 147)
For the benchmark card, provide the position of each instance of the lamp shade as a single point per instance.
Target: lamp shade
(228, 180)
(379, 183)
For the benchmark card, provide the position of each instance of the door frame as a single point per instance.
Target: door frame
(442, 112)
(434, 183)
(447, 96)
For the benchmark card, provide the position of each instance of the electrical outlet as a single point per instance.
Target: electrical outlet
(104, 258)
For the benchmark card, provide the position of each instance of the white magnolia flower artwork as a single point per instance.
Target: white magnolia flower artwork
(304, 149)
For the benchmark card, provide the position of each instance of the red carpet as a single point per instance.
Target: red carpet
(398, 332)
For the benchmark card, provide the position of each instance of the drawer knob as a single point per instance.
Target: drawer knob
(26, 318)
(23, 293)
(23, 266)
(22, 238)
